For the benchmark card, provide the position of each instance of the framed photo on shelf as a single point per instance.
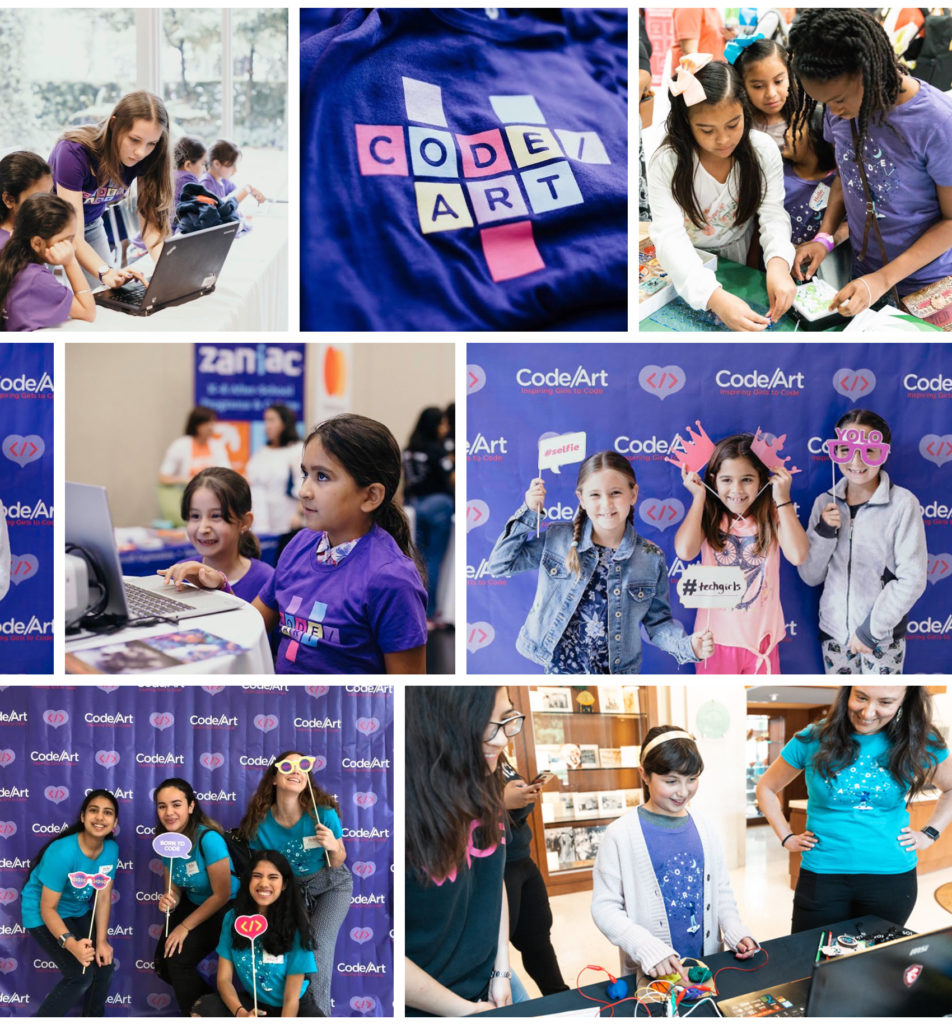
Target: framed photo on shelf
(630, 757)
(611, 803)
(610, 700)
(586, 805)
(551, 698)
(610, 757)
(588, 755)
(587, 841)
(560, 848)
(631, 700)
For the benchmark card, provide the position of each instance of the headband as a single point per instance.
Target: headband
(685, 83)
(674, 734)
(736, 47)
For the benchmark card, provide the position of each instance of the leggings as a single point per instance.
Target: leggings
(327, 899)
(74, 987)
(530, 920)
(825, 899)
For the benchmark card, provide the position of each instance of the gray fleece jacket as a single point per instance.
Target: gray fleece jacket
(873, 569)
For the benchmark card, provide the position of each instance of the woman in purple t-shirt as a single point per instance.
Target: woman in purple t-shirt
(30, 296)
(95, 164)
(903, 129)
(22, 175)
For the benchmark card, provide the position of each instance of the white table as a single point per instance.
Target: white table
(243, 626)
(251, 294)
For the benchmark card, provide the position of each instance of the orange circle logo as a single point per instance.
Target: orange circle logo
(335, 371)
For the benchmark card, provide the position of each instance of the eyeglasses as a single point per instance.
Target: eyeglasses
(872, 449)
(510, 727)
(292, 764)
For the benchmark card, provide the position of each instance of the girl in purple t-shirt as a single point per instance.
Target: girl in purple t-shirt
(216, 507)
(22, 175)
(30, 296)
(223, 157)
(902, 130)
(347, 595)
(94, 165)
(189, 162)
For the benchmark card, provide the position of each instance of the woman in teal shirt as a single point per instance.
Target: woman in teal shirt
(281, 817)
(283, 958)
(58, 914)
(875, 750)
(202, 887)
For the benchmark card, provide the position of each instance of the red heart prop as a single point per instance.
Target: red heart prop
(251, 925)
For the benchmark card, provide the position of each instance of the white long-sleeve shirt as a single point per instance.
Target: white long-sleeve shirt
(627, 905)
(675, 238)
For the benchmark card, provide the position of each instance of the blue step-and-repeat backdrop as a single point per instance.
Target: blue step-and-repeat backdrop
(57, 743)
(26, 496)
(635, 399)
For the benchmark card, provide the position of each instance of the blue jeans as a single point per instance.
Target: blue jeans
(95, 235)
(434, 520)
(92, 987)
(519, 993)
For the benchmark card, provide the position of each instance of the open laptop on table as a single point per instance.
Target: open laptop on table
(89, 526)
(908, 977)
(187, 268)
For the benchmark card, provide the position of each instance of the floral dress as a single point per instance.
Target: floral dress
(583, 647)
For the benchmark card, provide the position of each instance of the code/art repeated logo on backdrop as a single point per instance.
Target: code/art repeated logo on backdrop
(26, 497)
(57, 744)
(639, 400)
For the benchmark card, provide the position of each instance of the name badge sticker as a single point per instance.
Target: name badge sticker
(311, 842)
(272, 958)
(820, 197)
(191, 868)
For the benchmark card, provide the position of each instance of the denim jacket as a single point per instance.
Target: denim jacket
(638, 594)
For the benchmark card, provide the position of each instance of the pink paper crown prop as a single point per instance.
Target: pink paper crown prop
(697, 451)
(873, 450)
(769, 451)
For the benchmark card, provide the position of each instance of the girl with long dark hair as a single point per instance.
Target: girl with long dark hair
(281, 816)
(347, 594)
(22, 174)
(708, 182)
(875, 750)
(58, 913)
(599, 581)
(892, 135)
(283, 957)
(198, 893)
(95, 164)
(742, 515)
(457, 920)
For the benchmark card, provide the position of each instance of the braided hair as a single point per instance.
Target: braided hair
(721, 82)
(825, 43)
(595, 464)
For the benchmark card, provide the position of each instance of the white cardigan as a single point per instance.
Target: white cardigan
(627, 905)
(675, 237)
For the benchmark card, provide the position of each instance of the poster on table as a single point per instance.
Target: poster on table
(26, 497)
(240, 381)
(57, 743)
(638, 400)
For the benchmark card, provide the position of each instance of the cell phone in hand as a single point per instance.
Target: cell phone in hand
(542, 778)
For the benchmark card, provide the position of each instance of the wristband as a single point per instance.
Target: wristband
(105, 268)
(932, 833)
(783, 842)
(781, 505)
(500, 974)
(825, 240)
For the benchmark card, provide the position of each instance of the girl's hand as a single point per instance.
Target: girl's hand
(60, 253)
(831, 516)
(801, 843)
(259, 196)
(914, 840)
(167, 902)
(734, 313)
(858, 295)
(535, 496)
(325, 837)
(781, 289)
(520, 794)
(692, 482)
(83, 951)
(193, 572)
(670, 965)
(500, 992)
(745, 948)
(856, 646)
(176, 940)
(781, 481)
(114, 278)
(807, 260)
(103, 953)
(702, 644)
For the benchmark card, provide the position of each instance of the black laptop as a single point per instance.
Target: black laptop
(908, 977)
(187, 268)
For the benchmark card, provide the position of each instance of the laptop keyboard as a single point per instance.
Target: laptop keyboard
(130, 294)
(143, 604)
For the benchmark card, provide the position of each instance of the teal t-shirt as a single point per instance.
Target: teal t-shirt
(190, 873)
(271, 971)
(63, 856)
(858, 814)
(304, 859)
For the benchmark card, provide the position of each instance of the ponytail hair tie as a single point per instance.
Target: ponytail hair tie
(736, 47)
(574, 544)
(685, 83)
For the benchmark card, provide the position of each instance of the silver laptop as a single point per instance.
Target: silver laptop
(89, 527)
